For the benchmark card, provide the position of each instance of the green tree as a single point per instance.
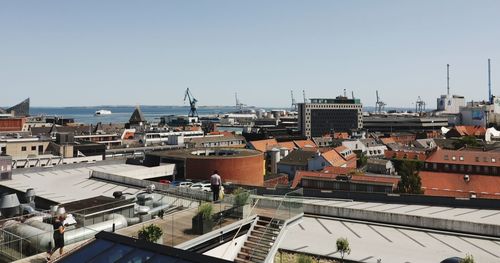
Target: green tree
(343, 247)
(468, 259)
(410, 181)
(362, 159)
(465, 141)
(150, 233)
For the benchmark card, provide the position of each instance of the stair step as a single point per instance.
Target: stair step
(253, 244)
(259, 232)
(256, 249)
(260, 240)
(250, 256)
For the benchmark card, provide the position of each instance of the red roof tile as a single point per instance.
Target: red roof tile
(448, 184)
(305, 144)
(469, 130)
(465, 157)
(343, 171)
(388, 140)
(263, 145)
(334, 158)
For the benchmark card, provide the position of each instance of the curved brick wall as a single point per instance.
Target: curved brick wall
(248, 170)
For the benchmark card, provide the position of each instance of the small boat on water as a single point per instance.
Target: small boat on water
(102, 112)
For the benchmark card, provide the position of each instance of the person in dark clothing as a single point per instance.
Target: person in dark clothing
(59, 229)
(215, 183)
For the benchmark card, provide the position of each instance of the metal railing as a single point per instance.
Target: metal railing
(286, 208)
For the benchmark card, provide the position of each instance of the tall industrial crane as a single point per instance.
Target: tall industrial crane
(294, 103)
(192, 103)
(379, 105)
(239, 105)
(420, 106)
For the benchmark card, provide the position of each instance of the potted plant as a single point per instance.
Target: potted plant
(151, 233)
(202, 222)
(240, 204)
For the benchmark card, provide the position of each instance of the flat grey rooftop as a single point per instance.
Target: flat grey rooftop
(391, 244)
(67, 185)
(485, 216)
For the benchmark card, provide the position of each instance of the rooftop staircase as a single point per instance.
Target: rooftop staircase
(260, 241)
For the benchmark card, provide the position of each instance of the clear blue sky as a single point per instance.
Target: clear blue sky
(73, 53)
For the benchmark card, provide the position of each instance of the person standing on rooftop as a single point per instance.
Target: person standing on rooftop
(215, 183)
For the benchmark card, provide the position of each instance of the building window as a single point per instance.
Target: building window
(493, 160)
(4, 149)
(477, 159)
(23, 148)
(453, 158)
(461, 158)
(446, 157)
(33, 148)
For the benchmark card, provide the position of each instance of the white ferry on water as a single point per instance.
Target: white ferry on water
(102, 112)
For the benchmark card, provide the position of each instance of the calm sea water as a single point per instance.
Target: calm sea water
(121, 114)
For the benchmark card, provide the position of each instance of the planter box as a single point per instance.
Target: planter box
(200, 225)
(242, 211)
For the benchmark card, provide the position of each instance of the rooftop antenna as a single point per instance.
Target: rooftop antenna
(490, 97)
(352, 92)
(294, 103)
(448, 79)
(304, 95)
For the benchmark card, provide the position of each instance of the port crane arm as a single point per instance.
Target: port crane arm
(192, 103)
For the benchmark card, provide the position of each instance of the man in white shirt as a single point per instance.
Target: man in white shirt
(215, 183)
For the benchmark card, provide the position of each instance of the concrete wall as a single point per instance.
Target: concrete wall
(387, 217)
(406, 220)
(15, 149)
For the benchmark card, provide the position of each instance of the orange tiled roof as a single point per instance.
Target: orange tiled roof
(387, 140)
(465, 157)
(305, 144)
(288, 145)
(343, 171)
(341, 149)
(334, 158)
(453, 184)
(337, 170)
(264, 145)
(341, 135)
(470, 130)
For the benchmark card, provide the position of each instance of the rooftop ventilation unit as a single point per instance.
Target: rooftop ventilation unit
(9, 205)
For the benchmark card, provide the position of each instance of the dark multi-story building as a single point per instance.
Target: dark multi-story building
(325, 116)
